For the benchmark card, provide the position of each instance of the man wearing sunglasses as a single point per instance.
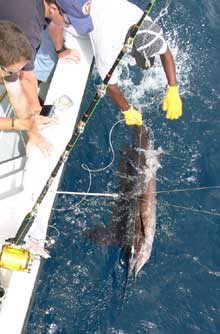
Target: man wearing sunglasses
(32, 17)
(108, 22)
(15, 53)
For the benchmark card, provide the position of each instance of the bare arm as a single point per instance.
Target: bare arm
(131, 115)
(56, 35)
(169, 67)
(172, 102)
(32, 123)
(24, 120)
(117, 96)
(8, 124)
(29, 86)
(18, 99)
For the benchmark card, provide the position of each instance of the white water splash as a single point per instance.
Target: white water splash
(52, 328)
(153, 81)
(152, 162)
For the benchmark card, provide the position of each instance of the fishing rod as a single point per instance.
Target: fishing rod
(78, 130)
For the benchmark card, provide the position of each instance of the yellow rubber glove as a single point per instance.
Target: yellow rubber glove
(132, 117)
(172, 103)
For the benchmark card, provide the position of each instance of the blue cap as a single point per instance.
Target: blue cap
(78, 12)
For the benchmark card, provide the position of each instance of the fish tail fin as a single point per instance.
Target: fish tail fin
(125, 289)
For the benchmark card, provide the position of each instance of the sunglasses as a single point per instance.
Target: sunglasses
(10, 72)
(64, 15)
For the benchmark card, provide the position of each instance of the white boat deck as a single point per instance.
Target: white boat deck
(22, 180)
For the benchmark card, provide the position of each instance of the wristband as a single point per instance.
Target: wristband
(60, 50)
(12, 123)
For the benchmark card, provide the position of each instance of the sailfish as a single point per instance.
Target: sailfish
(133, 223)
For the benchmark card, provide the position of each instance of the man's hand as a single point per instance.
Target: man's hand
(172, 103)
(38, 122)
(132, 117)
(70, 55)
(36, 139)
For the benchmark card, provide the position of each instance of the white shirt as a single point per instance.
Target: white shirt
(112, 20)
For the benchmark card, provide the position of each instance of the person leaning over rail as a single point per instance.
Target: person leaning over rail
(108, 23)
(32, 18)
(15, 53)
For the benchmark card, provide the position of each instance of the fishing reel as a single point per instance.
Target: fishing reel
(17, 258)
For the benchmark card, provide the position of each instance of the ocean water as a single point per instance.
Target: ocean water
(80, 289)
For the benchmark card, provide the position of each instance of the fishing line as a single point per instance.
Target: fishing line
(186, 189)
(56, 229)
(191, 209)
(90, 171)
(183, 207)
(175, 157)
(112, 150)
(4, 93)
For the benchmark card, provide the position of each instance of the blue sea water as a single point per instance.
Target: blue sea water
(80, 289)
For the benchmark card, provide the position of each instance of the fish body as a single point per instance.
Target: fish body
(133, 222)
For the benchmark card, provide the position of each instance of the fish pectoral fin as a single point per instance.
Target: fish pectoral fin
(102, 235)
